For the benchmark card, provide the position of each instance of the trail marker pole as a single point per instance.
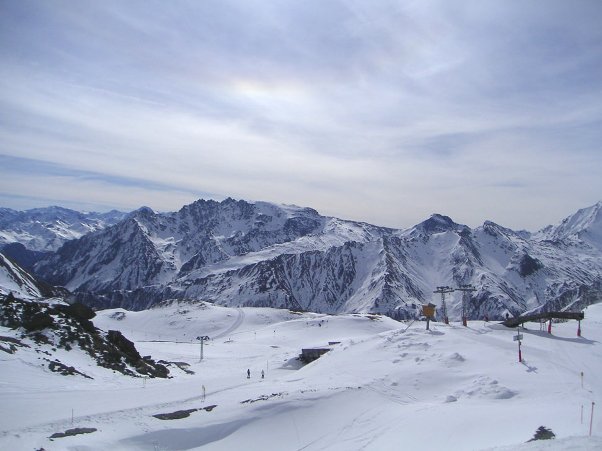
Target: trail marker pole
(518, 337)
(581, 413)
(550, 326)
(581, 379)
(579, 329)
(591, 419)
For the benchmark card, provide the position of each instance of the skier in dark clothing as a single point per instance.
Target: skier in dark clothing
(248, 374)
(262, 374)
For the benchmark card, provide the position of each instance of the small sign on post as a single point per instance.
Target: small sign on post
(428, 310)
(518, 337)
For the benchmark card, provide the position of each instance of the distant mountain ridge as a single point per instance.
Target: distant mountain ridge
(47, 229)
(239, 253)
(584, 225)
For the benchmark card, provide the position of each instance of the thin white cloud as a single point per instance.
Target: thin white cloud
(88, 194)
(384, 111)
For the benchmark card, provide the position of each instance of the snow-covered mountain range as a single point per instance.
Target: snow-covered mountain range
(238, 253)
(47, 229)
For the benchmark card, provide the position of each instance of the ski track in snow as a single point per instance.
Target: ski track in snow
(237, 323)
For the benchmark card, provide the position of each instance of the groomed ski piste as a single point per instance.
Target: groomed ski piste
(386, 385)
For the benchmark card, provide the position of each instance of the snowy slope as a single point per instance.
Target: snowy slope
(386, 385)
(14, 279)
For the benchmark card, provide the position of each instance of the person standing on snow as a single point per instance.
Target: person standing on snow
(262, 374)
(248, 374)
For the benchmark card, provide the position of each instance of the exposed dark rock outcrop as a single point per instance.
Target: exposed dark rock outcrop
(69, 326)
(72, 432)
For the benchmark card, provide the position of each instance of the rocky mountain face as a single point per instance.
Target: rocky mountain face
(149, 249)
(258, 254)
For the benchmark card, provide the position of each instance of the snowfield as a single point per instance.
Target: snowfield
(385, 385)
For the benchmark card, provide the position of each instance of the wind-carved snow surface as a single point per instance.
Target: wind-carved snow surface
(385, 385)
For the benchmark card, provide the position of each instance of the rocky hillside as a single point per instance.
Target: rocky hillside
(50, 330)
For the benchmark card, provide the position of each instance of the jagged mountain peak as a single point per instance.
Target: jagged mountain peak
(142, 212)
(145, 210)
(495, 229)
(438, 223)
(243, 206)
(211, 203)
(584, 225)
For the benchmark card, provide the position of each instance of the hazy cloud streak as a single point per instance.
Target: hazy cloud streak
(469, 108)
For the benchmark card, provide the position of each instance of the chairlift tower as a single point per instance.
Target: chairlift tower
(442, 291)
(466, 290)
(202, 339)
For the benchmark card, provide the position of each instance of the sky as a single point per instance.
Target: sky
(380, 111)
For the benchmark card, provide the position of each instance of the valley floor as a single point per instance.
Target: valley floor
(385, 386)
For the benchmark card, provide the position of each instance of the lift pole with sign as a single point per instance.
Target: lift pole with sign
(202, 339)
(443, 291)
(466, 290)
